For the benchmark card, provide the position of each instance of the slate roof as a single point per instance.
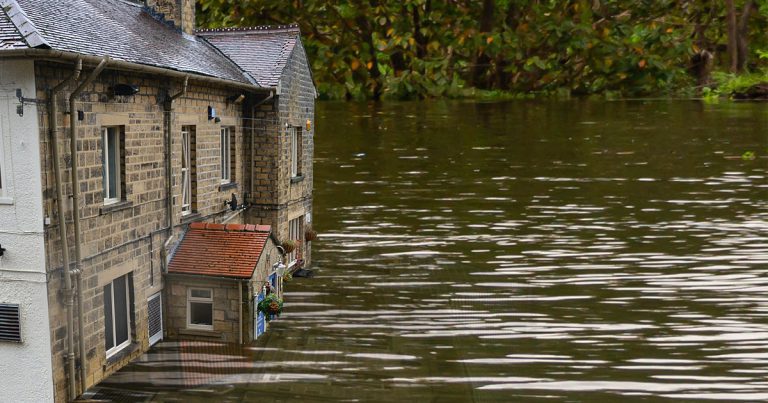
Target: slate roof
(261, 51)
(10, 37)
(116, 28)
(220, 250)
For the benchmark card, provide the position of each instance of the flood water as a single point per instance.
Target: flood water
(526, 251)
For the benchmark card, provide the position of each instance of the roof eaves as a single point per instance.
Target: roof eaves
(24, 25)
(227, 278)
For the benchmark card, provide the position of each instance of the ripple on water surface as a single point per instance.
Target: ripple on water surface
(494, 252)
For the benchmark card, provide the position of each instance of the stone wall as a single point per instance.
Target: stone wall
(226, 308)
(278, 198)
(226, 304)
(127, 237)
(180, 12)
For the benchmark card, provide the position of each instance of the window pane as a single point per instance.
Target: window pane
(201, 313)
(113, 161)
(121, 310)
(105, 168)
(223, 153)
(109, 341)
(201, 293)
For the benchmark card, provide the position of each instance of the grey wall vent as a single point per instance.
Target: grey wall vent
(10, 323)
(155, 312)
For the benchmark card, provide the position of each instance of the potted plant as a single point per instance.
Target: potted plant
(288, 245)
(270, 306)
(310, 234)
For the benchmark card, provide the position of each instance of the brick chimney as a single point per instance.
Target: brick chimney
(180, 12)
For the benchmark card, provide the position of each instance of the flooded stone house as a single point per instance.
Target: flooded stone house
(122, 131)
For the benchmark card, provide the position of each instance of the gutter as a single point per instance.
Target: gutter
(58, 56)
(68, 291)
(76, 210)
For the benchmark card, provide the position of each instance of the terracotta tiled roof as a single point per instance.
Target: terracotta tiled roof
(261, 51)
(220, 250)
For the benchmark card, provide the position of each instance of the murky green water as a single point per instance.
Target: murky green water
(522, 252)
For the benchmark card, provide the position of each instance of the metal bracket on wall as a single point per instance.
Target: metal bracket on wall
(22, 100)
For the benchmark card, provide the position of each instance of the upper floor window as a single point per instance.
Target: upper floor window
(113, 163)
(188, 180)
(294, 135)
(118, 307)
(226, 155)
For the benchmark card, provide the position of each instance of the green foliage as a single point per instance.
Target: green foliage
(363, 49)
(726, 84)
(270, 305)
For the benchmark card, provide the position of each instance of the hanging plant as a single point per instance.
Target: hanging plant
(288, 245)
(270, 306)
(310, 234)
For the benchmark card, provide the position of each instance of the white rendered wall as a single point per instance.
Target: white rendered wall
(26, 375)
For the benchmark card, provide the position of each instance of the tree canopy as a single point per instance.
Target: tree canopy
(427, 48)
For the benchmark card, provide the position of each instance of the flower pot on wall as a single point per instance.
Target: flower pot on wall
(288, 246)
(310, 234)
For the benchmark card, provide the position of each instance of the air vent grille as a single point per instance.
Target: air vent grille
(155, 313)
(10, 323)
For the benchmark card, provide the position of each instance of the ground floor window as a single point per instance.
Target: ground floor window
(295, 233)
(200, 308)
(117, 314)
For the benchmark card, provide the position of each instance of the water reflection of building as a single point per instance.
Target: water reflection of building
(167, 124)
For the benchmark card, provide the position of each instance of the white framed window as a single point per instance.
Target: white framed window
(294, 134)
(295, 234)
(111, 159)
(200, 308)
(117, 314)
(187, 171)
(226, 155)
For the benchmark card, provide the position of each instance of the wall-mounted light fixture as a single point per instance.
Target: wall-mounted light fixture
(309, 125)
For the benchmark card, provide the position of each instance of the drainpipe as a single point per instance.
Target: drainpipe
(168, 186)
(68, 292)
(240, 300)
(76, 210)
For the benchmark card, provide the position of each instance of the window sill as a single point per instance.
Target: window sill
(191, 217)
(6, 200)
(117, 206)
(297, 179)
(119, 355)
(227, 186)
